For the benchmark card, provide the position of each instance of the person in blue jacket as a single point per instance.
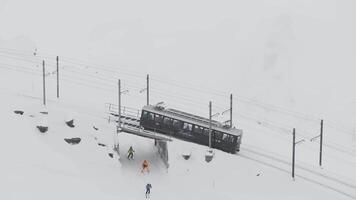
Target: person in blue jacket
(148, 190)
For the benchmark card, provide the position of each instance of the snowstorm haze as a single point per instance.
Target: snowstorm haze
(298, 54)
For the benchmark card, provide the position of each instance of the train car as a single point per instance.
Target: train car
(190, 128)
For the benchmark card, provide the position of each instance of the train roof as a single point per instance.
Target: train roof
(194, 119)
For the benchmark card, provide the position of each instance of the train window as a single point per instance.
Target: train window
(187, 126)
(150, 116)
(225, 137)
(215, 136)
(218, 135)
(158, 118)
(198, 129)
(167, 121)
(232, 139)
(177, 124)
(144, 114)
(206, 132)
(201, 129)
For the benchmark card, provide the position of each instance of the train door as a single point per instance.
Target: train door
(167, 125)
(158, 122)
(177, 126)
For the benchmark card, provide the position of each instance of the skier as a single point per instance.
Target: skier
(148, 190)
(145, 166)
(130, 153)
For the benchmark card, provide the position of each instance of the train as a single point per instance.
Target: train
(190, 127)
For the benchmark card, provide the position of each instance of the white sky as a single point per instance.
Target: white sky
(279, 51)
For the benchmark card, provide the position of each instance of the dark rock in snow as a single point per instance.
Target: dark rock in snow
(208, 158)
(18, 112)
(95, 128)
(186, 156)
(111, 155)
(209, 155)
(72, 140)
(44, 112)
(42, 129)
(101, 144)
(70, 123)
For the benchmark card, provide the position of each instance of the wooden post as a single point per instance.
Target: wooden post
(57, 77)
(44, 82)
(321, 142)
(293, 157)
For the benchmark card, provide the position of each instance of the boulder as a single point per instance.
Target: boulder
(19, 112)
(186, 155)
(209, 155)
(42, 129)
(70, 123)
(101, 144)
(72, 140)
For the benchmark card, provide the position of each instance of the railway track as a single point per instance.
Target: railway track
(348, 190)
(332, 183)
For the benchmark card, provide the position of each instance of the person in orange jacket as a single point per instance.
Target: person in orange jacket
(145, 166)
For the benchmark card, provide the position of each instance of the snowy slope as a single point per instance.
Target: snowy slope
(42, 166)
(289, 64)
(266, 148)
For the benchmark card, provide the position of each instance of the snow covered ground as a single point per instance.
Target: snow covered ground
(44, 166)
(289, 64)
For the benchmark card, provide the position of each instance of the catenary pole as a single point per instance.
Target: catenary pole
(148, 89)
(44, 82)
(321, 142)
(293, 157)
(119, 105)
(210, 124)
(230, 110)
(57, 59)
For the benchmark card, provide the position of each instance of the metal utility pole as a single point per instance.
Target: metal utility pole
(44, 82)
(293, 157)
(148, 89)
(57, 77)
(119, 105)
(230, 110)
(320, 136)
(210, 124)
(321, 141)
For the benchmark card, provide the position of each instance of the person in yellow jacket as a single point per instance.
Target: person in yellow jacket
(130, 153)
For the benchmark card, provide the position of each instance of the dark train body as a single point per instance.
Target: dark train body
(190, 127)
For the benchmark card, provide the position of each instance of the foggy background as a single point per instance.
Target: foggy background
(298, 54)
